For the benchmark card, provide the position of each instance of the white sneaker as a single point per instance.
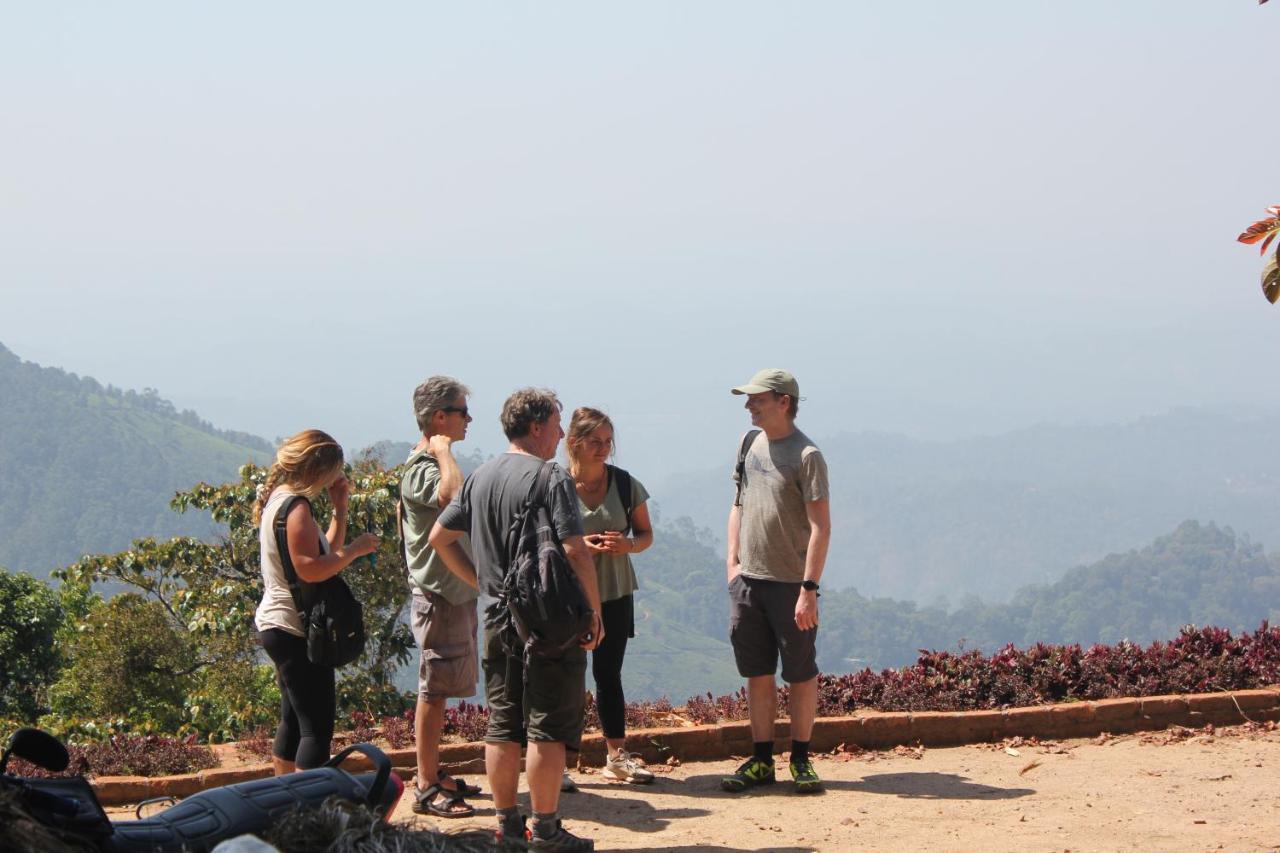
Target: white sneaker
(567, 785)
(626, 767)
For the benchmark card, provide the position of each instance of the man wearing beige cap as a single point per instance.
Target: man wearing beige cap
(779, 530)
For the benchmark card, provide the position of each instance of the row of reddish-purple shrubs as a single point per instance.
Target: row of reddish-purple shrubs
(1198, 660)
(129, 755)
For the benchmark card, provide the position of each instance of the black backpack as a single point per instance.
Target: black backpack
(546, 607)
(623, 479)
(332, 618)
(741, 469)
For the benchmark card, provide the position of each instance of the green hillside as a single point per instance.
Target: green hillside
(1198, 574)
(86, 468)
(933, 521)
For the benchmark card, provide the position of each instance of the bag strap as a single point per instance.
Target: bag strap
(741, 469)
(282, 545)
(541, 490)
(623, 480)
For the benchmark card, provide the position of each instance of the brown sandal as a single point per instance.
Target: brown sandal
(459, 783)
(428, 801)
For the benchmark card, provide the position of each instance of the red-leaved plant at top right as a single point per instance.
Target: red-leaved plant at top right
(1265, 230)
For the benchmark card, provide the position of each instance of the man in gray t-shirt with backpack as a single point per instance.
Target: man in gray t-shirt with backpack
(533, 699)
(779, 530)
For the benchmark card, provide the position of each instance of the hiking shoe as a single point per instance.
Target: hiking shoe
(806, 778)
(752, 772)
(625, 767)
(516, 833)
(567, 785)
(563, 841)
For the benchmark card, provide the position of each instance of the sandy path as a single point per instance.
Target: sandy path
(1140, 792)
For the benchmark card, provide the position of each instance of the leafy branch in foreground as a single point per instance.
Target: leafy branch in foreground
(1264, 231)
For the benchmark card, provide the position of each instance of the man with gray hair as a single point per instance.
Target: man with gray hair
(779, 529)
(443, 609)
(532, 699)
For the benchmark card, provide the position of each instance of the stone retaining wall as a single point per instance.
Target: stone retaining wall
(869, 730)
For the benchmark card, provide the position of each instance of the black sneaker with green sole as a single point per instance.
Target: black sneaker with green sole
(806, 778)
(753, 772)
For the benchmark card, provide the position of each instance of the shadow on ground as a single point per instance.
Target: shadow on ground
(716, 848)
(930, 786)
(634, 813)
(925, 786)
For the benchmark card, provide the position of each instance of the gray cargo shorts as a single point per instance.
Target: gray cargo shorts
(762, 628)
(446, 636)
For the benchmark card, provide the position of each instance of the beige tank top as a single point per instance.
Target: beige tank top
(276, 609)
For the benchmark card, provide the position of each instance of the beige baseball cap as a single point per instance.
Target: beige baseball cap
(771, 379)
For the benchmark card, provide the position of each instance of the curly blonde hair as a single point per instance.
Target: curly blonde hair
(307, 462)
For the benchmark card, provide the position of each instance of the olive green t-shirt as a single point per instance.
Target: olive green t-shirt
(773, 532)
(420, 492)
(614, 572)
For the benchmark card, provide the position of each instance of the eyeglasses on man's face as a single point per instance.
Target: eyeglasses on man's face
(462, 410)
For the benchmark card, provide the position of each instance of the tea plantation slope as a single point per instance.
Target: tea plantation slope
(87, 468)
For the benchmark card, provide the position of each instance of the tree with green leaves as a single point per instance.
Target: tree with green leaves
(30, 618)
(208, 592)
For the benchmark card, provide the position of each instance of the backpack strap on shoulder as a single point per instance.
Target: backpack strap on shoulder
(623, 480)
(540, 495)
(747, 440)
(282, 545)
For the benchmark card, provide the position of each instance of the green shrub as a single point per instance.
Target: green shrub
(127, 660)
(29, 660)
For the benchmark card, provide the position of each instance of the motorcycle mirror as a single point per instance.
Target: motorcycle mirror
(40, 748)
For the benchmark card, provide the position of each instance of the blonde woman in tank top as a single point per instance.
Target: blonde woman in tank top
(589, 444)
(306, 465)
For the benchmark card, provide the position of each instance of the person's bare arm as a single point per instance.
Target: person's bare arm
(733, 565)
(339, 496)
(304, 547)
(451, 479)
(575, 548)
(815, 559)
(445, 543)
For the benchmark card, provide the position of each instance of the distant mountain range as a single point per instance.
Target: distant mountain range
(86, 468)
(938, 521)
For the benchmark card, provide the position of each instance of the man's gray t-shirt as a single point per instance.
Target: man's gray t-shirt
(489, 502)
(780, 478)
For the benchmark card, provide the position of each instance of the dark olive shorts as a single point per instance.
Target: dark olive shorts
(543, 702)
(762, 628)
(446, 637)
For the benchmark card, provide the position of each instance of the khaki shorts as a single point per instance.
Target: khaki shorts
(446, 636)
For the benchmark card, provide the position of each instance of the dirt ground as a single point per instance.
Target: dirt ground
(1178, 790)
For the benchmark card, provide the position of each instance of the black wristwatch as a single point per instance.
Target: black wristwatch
(812, 586)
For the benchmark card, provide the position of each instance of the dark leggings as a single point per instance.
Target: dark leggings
(618, 617)
(307, 701)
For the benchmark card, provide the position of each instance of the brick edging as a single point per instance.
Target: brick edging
(869, 730)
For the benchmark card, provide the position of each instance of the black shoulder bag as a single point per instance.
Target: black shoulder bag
(332, 618)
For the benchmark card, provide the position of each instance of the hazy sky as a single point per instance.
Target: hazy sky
(946, 218)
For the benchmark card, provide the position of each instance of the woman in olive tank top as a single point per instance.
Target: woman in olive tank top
(605, 523)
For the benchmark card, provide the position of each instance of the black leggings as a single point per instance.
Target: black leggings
(307, 701)
(618, 617)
